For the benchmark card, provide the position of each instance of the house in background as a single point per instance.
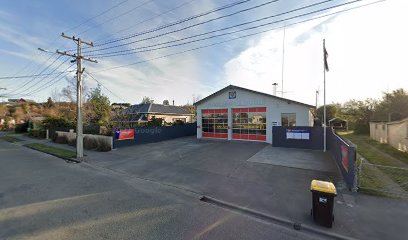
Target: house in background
(338, 124)
(19, 100)
(142, 113)
(394, 133)
(120, 105)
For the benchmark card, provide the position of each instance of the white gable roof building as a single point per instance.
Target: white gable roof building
(236, 113)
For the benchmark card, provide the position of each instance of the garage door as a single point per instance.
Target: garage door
(249, 124)
(215, 123)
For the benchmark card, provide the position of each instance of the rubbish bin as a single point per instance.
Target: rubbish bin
(323, 194)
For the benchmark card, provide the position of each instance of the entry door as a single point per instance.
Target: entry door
(249, 124)
(215, 123)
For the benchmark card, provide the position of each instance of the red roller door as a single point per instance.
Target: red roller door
(249, 124)
(215, 123)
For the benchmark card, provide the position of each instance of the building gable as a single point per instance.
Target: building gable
(233, 96)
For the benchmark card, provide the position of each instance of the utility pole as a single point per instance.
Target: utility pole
(317, 98)
(283, 54)
(78, 58)
(325, 68)
(274, 88)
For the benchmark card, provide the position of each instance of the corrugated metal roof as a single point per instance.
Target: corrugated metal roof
(156, 108)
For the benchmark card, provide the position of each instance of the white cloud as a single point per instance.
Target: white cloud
(366, 56)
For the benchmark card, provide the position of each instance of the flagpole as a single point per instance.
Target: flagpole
(324, 98)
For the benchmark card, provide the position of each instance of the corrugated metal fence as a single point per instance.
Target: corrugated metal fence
(144, 135)
(280, 139)
(345, 154)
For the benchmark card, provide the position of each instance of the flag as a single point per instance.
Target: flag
(325, 55)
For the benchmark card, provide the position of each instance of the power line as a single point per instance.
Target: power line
(116, 17)
(132, 50)
(29, 76)
(174, 23)
(150, 18)
(100, 14)
(36, 83)
(51, 82)
(184, 28)
(26, 83)
(53, 42)
(89, 74)
(237, 38)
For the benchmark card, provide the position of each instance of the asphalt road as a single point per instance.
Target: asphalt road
(43, 197)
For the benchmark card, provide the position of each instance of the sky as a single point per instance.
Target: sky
(367, 48)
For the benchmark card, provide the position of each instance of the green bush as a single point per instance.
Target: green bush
(37, 133)
(59, 122)
(21, 128)
(361, 128)
(103, 147)
(90, 142)
(60, 139)
(178, 123)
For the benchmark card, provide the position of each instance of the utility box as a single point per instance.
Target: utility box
(323, 194)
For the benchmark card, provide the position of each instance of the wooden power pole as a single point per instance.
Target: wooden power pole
(78, 58)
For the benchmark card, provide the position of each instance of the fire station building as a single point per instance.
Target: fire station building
(236, 113)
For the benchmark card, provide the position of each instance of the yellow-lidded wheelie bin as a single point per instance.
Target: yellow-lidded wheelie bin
(323, 194)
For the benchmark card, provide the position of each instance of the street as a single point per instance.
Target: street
(43, 197)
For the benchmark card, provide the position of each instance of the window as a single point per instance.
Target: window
(179, 119)
(249, 123)
(383, 127)
(215, 123)
(288, 119)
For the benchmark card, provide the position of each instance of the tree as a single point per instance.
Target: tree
(394, 106)
(331, 111)
(100, 106)
(196, 98)
(358, 114)
(69, 92)
(166, 102)
(49, 103)
(147, 100)
(155, 122)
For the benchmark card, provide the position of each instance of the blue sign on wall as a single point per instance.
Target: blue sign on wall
(232, 95)
(297, 134)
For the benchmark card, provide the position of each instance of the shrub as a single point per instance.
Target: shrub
(59, 122)
(90, 142)
(103, 146)
(178, 123)
(71, 141)
(37, 133)
(21, 128)
(60, 139)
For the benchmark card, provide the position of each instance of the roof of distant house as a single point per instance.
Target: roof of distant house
(19, 99)
(157, 109)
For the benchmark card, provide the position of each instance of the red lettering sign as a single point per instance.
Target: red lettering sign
(126, 134)
(344, 157)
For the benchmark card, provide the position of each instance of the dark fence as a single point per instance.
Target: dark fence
(144, 135)
(345, 154)
(289, 137)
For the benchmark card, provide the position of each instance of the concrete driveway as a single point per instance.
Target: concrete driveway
(227, 171)
(43, 197)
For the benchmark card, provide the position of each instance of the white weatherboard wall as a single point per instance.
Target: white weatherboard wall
(245, 99)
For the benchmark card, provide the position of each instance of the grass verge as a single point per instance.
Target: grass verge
(58, 152)
(11, 139)
(372, 177)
